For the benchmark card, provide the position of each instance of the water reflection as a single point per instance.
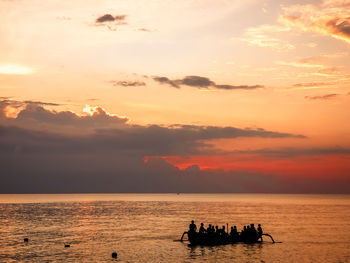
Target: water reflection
(143, 231)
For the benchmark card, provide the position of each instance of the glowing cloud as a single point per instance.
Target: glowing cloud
(330, 18)
(262, 36)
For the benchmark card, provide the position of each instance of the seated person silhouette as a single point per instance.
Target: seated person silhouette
(202, 229)
(209, 229)
(260, 232)
(253, 230)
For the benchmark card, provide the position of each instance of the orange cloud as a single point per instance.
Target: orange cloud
(332, 18)
(336, 166)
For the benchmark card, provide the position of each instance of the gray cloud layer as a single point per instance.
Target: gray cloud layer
(35, 157)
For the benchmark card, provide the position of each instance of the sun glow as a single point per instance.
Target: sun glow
(91, 110)
(11, 112)
(97, 110)
(11, 69)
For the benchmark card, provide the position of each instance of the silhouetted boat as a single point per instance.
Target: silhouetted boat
(196, 239)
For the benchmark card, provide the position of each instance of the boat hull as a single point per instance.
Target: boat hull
(197, 239)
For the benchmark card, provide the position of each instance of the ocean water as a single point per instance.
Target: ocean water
(143, 227)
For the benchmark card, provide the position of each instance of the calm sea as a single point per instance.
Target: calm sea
(142, 227)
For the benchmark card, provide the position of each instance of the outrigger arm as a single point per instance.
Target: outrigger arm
(183, 236)
(273, 241)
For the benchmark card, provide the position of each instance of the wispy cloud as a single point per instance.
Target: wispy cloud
(125, 83)
(327, 72)
(202, 83)
(267, 36)
(308, 62)
(312, 85)
(322, 97)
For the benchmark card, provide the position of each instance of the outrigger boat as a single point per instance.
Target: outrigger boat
(204, 239)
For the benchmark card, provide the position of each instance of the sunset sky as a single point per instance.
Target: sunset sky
(175, 96)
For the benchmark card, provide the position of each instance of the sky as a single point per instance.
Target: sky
(175, 96)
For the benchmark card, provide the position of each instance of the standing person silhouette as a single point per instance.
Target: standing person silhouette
(192, 227)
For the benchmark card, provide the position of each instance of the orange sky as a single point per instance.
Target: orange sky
(281, 66)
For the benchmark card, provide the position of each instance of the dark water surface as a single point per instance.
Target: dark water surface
(142, 227)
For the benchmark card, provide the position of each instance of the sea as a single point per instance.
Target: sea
(147, 227)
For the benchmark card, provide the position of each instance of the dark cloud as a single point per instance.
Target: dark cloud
(231, 87)
(35, 156)
(165, 80)
(196, 81)
(104, 132)
(128, 83)
(112, 161)
(8, 101)
(202, 83)
(322, 97)
(340, 27)
(33, 115)
(105, 173)
(41, 103)
(110, 18)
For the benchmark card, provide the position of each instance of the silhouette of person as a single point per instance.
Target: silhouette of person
(217, 229)
(192, 227)
(202, 229)
(244, 232)
(209, 229)
(260, 231)
(235, 231)
(253, 230)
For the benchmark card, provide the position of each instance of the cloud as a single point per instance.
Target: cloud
(196, 81)
(110, 21)
(36, 157)
(327, 72)
(33, 115)
(232, 87)
(267, 36)
(312, 85)
(310, 62)
(109, 18)
(322, 97)
(128, 83)
(165, 80)
(330, 18)
(144, 29)
(99, 126)
(202, 83)
(288, 152)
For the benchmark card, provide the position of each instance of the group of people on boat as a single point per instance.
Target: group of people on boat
(217, 235)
